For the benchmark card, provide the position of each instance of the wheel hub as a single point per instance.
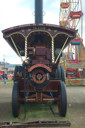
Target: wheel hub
(39, 76)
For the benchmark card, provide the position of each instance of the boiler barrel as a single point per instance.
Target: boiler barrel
(38, 11)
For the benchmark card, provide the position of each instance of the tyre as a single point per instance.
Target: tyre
(15, 100)
(57, 76)
(58, 72)
(62, 73)
(62, 100)
(15, 72)
(18, 69)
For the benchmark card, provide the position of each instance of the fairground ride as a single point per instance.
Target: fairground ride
(71, 16)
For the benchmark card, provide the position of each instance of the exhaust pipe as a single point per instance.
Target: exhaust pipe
(38, 11)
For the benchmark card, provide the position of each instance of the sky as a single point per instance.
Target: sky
(19, 12)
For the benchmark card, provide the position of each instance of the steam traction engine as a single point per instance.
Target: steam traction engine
(40, 78)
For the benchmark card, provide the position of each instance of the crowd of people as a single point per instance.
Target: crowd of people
(6, 76)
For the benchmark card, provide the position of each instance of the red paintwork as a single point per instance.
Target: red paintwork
(39, 81)
(40, 61)
(52, 86)
(39, 93)
(42, 54)
(39, 65)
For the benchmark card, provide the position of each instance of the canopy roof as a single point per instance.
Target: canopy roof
(29, 32)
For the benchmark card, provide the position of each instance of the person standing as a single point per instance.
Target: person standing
(4, 78)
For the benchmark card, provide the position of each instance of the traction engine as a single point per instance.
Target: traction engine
(40, 78)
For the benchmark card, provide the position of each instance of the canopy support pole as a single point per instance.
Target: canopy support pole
(26, 49)
(52, 50)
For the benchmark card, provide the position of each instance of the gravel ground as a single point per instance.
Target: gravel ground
(75, 113)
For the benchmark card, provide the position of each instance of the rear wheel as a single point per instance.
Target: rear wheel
(18, 71)
(62, 99)
(62, 73)
(58, 72)
(15, 72)
(15, 100)
(57, 76)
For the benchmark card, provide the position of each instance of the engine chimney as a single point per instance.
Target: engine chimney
(38, 11)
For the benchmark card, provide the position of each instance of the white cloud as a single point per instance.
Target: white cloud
(13, 60)
(16, 17)
(7, 52)
(45, 1)
(56, 4)
(52, 15)
(11, 14)
(51, 18)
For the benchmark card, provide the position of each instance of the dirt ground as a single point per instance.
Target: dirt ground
(75, 112)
